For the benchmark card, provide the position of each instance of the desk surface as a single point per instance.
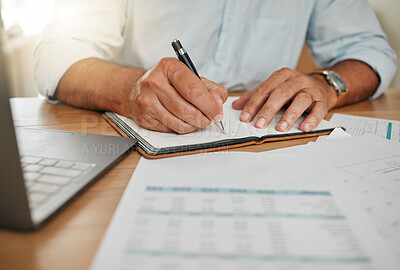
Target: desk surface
(71, 238)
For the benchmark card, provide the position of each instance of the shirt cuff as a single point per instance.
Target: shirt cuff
(385, 67)
(52, 60)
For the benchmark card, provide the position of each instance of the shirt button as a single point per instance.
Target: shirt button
(230, 17)
(220, 63)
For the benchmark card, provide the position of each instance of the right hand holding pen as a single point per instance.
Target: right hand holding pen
(171, 98)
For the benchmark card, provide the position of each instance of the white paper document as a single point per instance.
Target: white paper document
(370, 169)
(239, 211)
(336, 134)
(358, 125)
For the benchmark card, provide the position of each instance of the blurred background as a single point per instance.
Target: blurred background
(25, 19)
(23, 22)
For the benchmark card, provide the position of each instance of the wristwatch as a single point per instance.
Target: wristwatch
(338, 84)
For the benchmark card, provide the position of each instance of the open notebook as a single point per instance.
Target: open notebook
(154, 144)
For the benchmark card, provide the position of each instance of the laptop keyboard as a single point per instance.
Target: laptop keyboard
(45, 178)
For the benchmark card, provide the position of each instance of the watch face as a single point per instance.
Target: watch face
(337, 80)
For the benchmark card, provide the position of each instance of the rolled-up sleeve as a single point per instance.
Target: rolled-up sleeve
(78, 30)
(349, 29)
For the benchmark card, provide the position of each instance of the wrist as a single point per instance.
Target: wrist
(129, 78)
(330, 91)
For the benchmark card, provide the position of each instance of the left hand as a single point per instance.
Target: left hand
(309, 93)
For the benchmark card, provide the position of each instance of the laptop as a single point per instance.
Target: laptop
(42, 170)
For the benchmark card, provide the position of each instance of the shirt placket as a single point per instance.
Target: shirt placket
(225, 42)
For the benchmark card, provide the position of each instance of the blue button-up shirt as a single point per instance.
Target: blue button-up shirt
(236, 43)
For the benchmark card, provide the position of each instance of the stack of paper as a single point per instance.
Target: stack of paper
(295, 208)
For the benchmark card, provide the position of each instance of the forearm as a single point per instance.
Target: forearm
(360, 80)
(98, 85)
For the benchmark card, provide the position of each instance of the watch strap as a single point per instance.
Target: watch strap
(341, 97)
(341, 93)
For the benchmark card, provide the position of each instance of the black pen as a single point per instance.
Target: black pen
(183, 56)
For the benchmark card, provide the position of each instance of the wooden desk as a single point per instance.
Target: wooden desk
(71, 238)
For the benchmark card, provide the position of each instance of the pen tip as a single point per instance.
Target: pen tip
(220, 126)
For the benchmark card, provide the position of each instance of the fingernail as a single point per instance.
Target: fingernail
(218, 118)
(283, 125)
(245, 117)
(220, 101)
(307, 127)
(260, 123)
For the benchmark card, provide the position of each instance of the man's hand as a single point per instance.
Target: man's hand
(304, 93)
(170, 98)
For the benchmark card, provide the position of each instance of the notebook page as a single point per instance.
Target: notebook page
(234, 128)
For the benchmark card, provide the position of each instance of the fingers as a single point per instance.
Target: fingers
(155, 116)
(182, 109)
(219, 92)
(242, 101)
(152, 124)
(151, 113)
(156, 97)
(299, 105)
(171, 121)
(277, 99)
(162, 120)
(318, 111)
(156, 125)
(169, 97)
(191, 88)
(278, 90)
(261, 94)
